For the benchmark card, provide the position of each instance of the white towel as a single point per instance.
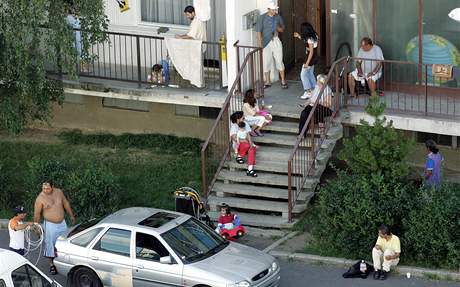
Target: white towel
(187, 57)
(202, 9)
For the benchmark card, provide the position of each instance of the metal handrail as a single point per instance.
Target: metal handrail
(206, 187)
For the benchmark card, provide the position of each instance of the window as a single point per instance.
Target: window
(115, 241)
(148, 247)
(84, 239)
(26, 276)
(132, 105)
(164, 11)
(83, 226)
(188, 111)
(209, 113)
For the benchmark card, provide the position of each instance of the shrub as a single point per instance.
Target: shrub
(6, 196)
(432, 231)
(93, 191)
(157, 142)
(352, 207)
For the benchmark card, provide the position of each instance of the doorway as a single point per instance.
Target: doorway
(294, 13)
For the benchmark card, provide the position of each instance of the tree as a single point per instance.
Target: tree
(377, 149)
(35, 36)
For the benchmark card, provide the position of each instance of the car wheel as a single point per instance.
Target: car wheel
(83, 277)
(240, 233)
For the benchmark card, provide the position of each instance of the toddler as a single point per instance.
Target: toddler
(157, 75)
(227, 220)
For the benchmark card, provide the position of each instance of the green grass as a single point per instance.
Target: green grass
(147, 176)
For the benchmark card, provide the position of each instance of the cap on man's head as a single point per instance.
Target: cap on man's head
(20, 209)
(272, 6)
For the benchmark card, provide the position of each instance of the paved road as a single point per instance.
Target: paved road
(294, 274)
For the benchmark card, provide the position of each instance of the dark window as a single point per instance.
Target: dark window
(209, 113)
(84, 239)
(115, 241)
(439, 139)
(158, 219)
(26, 276)
(148, 247)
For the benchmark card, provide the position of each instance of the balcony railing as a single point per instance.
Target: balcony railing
(130, 58)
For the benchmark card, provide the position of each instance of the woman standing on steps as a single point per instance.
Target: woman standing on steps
(307, 75)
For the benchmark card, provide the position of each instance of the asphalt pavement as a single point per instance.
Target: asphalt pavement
(293, 273)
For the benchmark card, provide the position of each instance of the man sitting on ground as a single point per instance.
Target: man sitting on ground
(387, 248)
(367, 71)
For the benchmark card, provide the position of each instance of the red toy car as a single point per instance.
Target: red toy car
(232, 234)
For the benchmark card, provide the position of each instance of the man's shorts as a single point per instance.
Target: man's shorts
(52, 232)
(373, 78)
(273, 52)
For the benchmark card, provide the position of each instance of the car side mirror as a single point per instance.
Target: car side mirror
(166, 259)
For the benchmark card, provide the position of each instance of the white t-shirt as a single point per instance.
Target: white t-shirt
(374, 53)
(327, 93)
(234, 128)
(197, 30)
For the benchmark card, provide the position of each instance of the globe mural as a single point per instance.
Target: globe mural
(436, 50)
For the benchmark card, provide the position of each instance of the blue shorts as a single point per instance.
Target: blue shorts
(18, 251)
(52, 232)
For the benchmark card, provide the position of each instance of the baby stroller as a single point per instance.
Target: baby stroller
(189, 201)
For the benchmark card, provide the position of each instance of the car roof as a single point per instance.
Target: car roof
(10, 260)
(132, 216)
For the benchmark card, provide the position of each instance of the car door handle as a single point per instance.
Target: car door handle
(140, 266)
(94, 258)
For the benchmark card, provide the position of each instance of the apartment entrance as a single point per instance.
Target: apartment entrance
(294, 13)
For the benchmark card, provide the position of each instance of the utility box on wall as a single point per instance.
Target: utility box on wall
(250, 19)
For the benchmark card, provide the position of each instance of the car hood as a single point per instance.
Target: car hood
(235, 263)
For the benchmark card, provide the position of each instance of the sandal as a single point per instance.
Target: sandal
(284, 86)
(266, 86)
(259, 133)
(53, 270)
(251, 173)
(253, 134)
(239, 160)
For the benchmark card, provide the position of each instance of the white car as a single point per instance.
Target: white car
(15, 270)
(140, 247)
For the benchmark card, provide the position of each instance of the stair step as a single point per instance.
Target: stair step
(259, 220)
(278, 139)
(215, 202)
(285, 127)
(273, 153)
(262, 165)
(263, 178)
(223, 189)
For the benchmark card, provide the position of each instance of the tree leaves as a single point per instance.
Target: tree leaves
(34, 38)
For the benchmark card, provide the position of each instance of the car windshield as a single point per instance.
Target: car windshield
(83, 226)
(193, 241)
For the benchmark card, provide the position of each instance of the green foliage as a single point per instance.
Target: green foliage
(35, 36)
(157, 142)
(5, 198)
(352, 207)
(92, 190)
(377, 148)
(432, 230)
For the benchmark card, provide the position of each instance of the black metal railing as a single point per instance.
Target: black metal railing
(130, 58)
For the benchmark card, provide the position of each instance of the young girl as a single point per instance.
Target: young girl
(307, 75)
(227, 219)
(253, 115)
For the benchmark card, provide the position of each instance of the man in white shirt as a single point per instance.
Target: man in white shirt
(369, 71)
(197, 29)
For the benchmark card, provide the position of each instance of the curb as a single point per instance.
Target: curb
(341, 262)
(279, 242)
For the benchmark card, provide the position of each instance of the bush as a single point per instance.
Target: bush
(6, 196)
(93, 191)
(432, 231)
(352, 207)
(157, 142)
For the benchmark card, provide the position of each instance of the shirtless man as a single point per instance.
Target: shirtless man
(51, 202)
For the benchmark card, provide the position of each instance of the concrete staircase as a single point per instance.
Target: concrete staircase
(263, 201)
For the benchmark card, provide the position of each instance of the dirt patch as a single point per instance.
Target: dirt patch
(296, 243)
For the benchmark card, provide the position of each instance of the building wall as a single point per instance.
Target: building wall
(88, 114)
